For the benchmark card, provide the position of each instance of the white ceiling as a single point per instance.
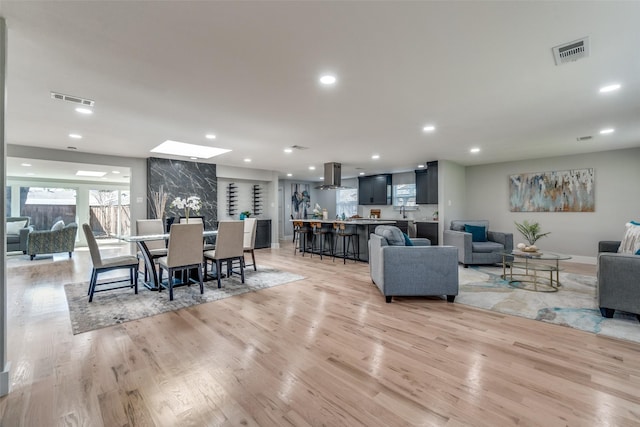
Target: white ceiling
(482, 72)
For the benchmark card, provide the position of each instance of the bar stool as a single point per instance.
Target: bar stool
(321, 234)
(348, 238)
(300, 234)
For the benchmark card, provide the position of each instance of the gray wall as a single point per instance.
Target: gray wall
(617, 200)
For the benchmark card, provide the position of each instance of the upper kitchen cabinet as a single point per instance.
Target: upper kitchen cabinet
(427, 185)
(374, 190)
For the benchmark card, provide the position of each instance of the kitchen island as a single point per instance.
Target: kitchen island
(362, 226)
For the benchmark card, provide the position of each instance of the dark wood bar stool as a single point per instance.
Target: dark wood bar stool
(320, 235)
(300, 236)
(349, 238)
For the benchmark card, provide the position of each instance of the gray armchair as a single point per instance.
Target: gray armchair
(18, 228)
(477, 252)
(422, 269)
(618, 280)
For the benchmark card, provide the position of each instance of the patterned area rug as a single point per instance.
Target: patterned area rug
(122, 305)
(574, 305)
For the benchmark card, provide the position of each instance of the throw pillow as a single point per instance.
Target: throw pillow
(478, 234)
(14, 227)
(392, 233)
(407, 240)
(59, 225)
(631, 241)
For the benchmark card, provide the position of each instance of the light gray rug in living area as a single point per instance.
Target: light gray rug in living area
(122, 305)
(574, 305)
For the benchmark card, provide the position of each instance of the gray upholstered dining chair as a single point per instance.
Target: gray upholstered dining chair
(250, 226)
(197, 220)
(184, 253)
(157, 248)
(229, 248)
(101, 265)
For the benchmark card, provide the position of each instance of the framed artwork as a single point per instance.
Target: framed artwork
(300, 200)
(558, 191)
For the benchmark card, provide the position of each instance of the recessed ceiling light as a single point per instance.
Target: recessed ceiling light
(82, 110)
(328, 79)
(609, 88)
(193, 158)
(247, 160)
(312, 168)
(177, 148)
(429, 128)
(25, 164)
(288, 150)
(474, 150)
(75, 136)
(116, 172)
(361, 173)
(210, 136)
(90, 173)
(420, 166)
(606, 131)
(375, 156)
(289, 174)
(103, 178)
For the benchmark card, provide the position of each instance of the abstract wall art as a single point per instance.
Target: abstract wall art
(557, 191)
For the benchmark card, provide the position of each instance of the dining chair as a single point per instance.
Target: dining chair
(229, 248)
(184, 253)
(157, 248)
(198, 220)
(102, 265)
(250, 226)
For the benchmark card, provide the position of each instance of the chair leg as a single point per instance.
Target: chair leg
(135, 279)
(92, 284)
(201, 279)
(253, 258)
(170, 280)
(218, 268)
(242, 269)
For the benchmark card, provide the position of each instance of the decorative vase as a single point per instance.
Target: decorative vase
(242, 216)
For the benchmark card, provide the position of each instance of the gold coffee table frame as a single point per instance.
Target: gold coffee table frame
(535, 266)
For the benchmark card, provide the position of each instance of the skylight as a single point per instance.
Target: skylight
(176, 148)
(90, 173)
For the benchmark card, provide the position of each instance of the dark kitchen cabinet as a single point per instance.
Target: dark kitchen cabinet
(374, 190)
(263, 234)
(427, 185)
(428, 230)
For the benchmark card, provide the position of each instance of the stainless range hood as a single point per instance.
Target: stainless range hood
(332, 176)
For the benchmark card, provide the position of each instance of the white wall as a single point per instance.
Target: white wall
(617, 200)
(452, 195)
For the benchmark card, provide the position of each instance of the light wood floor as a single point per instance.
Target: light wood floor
(326, 350)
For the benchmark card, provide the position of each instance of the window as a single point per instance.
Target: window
(404, 195)
(46, 206)
(347, 202)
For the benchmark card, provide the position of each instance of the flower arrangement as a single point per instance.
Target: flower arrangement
(191, 203)
(317, 211)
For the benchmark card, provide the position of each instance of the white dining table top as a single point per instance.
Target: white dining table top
(164, 236)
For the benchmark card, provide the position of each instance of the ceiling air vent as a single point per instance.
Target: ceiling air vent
(584, 138)
(570, 52)
(299, 147)
(74, 99)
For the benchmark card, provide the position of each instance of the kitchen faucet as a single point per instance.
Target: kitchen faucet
(403, 211)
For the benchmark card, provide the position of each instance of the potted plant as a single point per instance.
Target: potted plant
(531, 232)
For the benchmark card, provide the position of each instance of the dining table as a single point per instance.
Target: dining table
(153, 282)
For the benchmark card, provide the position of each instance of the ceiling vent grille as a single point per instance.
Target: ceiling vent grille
(74, 99)
(584, 138)
(299, 147)
(572, 51)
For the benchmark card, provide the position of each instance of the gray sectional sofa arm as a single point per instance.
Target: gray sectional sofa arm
(505, 239)
(618, 283)
(462, 241)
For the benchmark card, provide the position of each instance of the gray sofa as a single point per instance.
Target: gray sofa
(17, 238)
(473, 253)
(618, 280)
(400, 270)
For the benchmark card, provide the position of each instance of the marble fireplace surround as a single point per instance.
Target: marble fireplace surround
(183, 179)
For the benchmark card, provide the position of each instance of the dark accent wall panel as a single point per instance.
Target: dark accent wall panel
(184, 179)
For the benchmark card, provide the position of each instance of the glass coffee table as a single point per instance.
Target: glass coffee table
(535, 271)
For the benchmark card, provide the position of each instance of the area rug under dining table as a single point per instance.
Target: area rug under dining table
(574, 305)
(122, 305)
